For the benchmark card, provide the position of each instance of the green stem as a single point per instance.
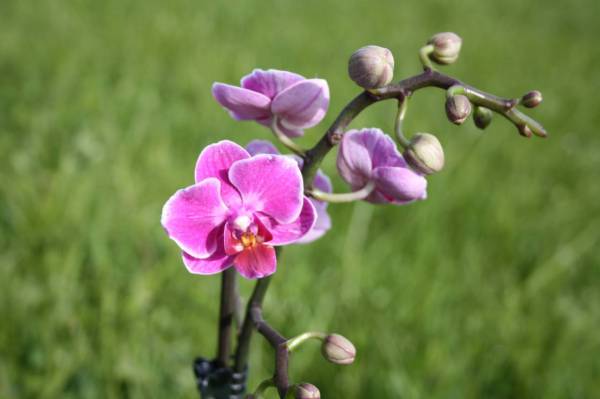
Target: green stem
(285, 140)
(424, 56)
(294, 343)
(262, 387)
(402, 106)
(345, 197)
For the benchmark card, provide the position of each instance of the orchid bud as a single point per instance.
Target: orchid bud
(458, 109)
(525, 130)
(532, 99)
(425, 154)
(338, 349)
(482, 117)
(307, 391)
(371, 67)
(446, 47)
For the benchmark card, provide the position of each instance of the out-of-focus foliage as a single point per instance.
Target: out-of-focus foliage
(489, 289)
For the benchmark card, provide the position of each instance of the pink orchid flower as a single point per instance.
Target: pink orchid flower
(239, 209)
(297, 103)
(322, 182)
(369, 155)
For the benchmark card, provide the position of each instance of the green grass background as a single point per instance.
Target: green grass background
(489, 289)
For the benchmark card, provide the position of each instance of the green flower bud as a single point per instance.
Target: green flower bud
(425, 154)
(458, 109)
(532, 99)
(446, 47)
(338, 349)
(482, 117)
(307, 391)
(371, 67)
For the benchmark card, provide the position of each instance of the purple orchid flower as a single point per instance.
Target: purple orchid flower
(239, 209)
(322, 182)
(370, 156)
(297, 103)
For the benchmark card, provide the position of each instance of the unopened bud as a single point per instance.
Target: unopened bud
(482, 117)
(446, 47)
(524, 130)
(307, 391)
(425, 154)
(338, 349)
(458, 109)
(371, 67)
(532, 99)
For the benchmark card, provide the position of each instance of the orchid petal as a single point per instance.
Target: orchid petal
(322, 225)
(303, 104)
(271, 184)
(261, 147)
(363, 150)
(214, 161)
(256, 262)
(288, 233)
(270, 82)
(402, 185)
(193, 215)
(215, 263)
(290, 132)
(241, 103)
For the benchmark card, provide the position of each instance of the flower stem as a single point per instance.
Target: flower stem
(402, 106)
(262, 387)
(295, 342)
(428, 78)
(345, 197)
(424, 56)
(226, 314)
(285, 140)
(243, 348)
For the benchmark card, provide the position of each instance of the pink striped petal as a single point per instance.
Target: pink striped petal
(289, 233)
(303, 104)
(322, 225)
(256, 262)
(242, 104)
(401, 185)
(270, 82)
(215, 263)
(271, 184)
(363, 150)
(193, 217)
(215, 161)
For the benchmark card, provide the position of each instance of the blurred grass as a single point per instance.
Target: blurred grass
(490, 288)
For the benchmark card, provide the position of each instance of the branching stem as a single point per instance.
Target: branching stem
(400, 90)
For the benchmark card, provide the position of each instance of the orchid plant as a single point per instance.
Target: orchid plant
(247, 203)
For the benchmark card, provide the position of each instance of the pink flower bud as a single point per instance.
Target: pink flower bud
(425, 154)
(338, 349)
(532, 99)
(371, 67)
(446, 47)
(458, 109)
(307, 391)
